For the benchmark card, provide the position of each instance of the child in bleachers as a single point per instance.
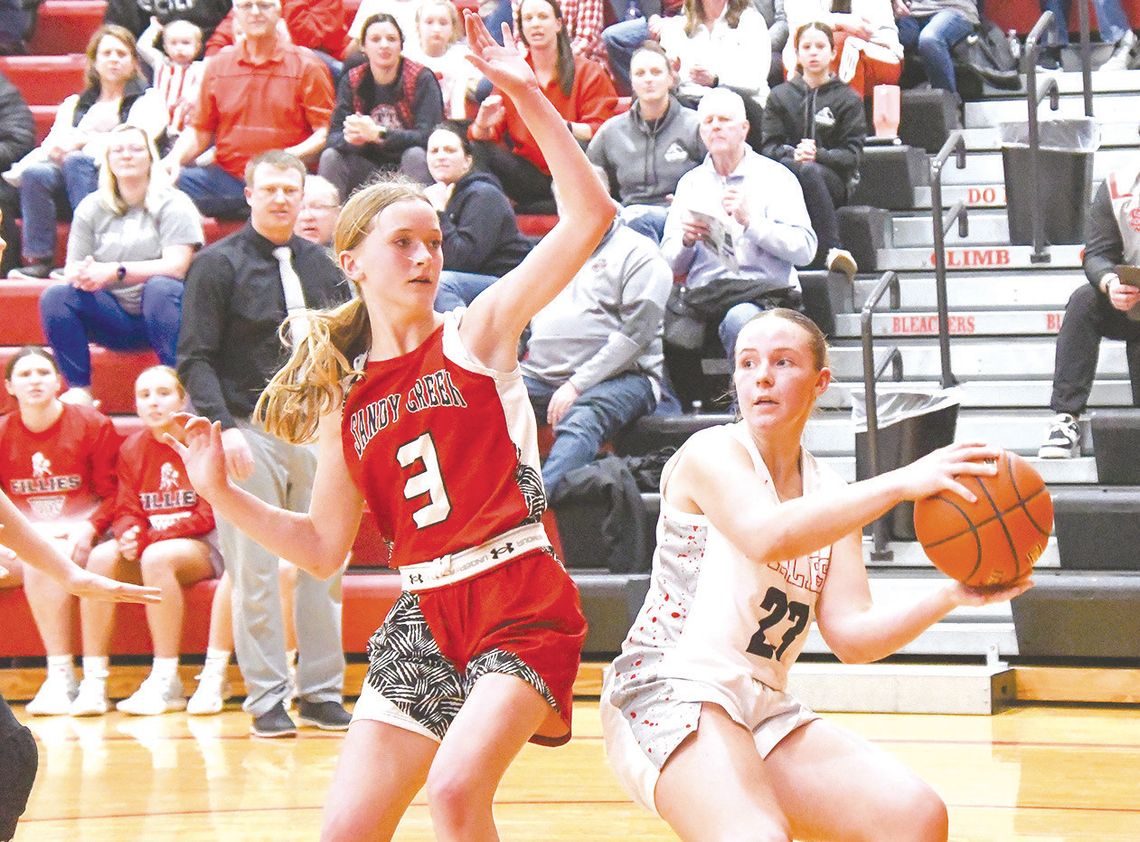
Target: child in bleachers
(177, 72)
(164, 537)
(867, 47)
(437, 45)
(57, 463)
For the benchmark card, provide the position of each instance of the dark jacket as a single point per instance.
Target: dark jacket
(831, 114)
(17, 126)
(480, 232)
(135, 15)
(131, 92)
(410, 107)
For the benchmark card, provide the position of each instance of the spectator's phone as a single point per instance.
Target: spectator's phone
(1130, 275)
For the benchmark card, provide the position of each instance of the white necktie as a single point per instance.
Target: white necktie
(294, 297)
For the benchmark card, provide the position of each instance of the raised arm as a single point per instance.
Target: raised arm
(317, 541)
(497, 318)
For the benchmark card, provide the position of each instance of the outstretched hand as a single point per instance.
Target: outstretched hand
(939, 471)
(87, 585)
(200, 445)
(503, 64)
(977, 597)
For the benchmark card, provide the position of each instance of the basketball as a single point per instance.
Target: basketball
(993, 541)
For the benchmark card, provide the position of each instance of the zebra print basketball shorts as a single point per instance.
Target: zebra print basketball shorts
(522, 618)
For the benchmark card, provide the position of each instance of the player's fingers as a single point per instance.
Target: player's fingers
(955, 487)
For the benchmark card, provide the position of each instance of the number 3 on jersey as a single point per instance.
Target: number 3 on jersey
(429, 481)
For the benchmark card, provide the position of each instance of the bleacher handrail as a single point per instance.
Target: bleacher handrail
(1034, 93)
(955, 145)
(1086, 56)
(888, 282)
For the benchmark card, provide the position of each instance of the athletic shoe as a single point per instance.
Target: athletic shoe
(210, 696)
(54, 697)
(1063, 441)
(1121, 53)
(841, 261)
(154, 697)
(328, 716)
(1049, 58)
(275, 722)
(40, 270)
(91, 700)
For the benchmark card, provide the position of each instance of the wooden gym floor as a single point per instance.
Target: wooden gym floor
(1027, 773)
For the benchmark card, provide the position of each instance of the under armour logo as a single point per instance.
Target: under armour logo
(416, 578)
(503, 550)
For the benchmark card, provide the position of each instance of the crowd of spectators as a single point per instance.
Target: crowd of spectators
(742, 138)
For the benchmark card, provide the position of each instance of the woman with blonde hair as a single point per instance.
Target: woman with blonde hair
(479, 653)
(128, 250)
(439, 46)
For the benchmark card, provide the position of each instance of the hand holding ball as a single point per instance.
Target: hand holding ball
(995, 540)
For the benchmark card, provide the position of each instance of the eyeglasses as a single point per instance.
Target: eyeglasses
(260, 5)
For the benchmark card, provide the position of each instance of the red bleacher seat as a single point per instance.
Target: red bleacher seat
(65, 26)
(45, 80)
(21, 306)
(535, 225)
(367, 599)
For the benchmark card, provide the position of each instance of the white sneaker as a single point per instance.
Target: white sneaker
(210, 696)
(154, 697)
(91, 700)
(1121, 53)
(842, 261)
(1062, 440)
(54, 697)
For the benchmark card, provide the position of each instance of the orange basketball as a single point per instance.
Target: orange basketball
(995, 540)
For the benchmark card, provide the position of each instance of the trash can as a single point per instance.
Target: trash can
(911, 424)
(1064, 178)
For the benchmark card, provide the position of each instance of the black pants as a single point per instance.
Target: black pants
(522, 181)
(824, 192)
(19, 759)
(1089, 317)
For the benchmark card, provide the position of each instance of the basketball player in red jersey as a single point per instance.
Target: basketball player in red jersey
(426, 417)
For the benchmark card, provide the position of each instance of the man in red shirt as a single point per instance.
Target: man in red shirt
(316, 24)
(261, 93)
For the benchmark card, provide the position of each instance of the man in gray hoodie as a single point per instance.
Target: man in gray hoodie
(594, 358)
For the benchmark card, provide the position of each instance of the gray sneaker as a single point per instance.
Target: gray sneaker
(328, 716)
(1121, 53)
(1063, 440)
(275, 722)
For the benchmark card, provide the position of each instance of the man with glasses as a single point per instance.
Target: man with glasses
(238, 292)
(320, 206)
(262, 93)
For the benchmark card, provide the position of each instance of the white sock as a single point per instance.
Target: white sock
(61, 666)
(165, 669)
(95, 667)
(217, 662)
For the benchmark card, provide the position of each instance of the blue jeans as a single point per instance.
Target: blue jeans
(459, 289)
(72, 318)
(740, 315)
(41, 187)
(500, 15)
(934, 36)
(214, 191)
(648, 220)
(1111, 21)
(596, 417)
(622, 40)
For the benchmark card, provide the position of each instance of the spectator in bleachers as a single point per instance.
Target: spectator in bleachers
(14, 22)
(136, 15)
(481, 238)
(438, 46)
(404, 11)
(320, 206)
(579, 89)
(594, 361)
(737, 229)
(646, 150)
(164, 538)
(128, 250)
(933, 27)
(720, 43)
(316, 24)
(238, 292)
(17, 139)
(583, 21)
(176, 69)
(867, 47)
(1112, 24)
(57, 464)
(815, 126)
(1105, 307)
(385, 110)
(262, 93)
(65, 167)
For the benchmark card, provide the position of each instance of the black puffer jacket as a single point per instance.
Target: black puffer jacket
(831, 115)
(480, 231)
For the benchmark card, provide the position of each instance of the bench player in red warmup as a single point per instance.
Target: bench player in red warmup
(425, 417)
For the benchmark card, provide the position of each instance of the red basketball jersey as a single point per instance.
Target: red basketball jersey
(443, 449)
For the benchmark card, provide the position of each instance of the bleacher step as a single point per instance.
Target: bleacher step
(987, 227)
(994, 111)
(973, 195)
(989, 394)
(959, 323)
(988, 168)
(918, 259)
(982, 291)
(1111, 134)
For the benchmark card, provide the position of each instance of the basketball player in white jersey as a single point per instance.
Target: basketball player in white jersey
(756, 538)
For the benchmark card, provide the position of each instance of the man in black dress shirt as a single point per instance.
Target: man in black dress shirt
(228, 349)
